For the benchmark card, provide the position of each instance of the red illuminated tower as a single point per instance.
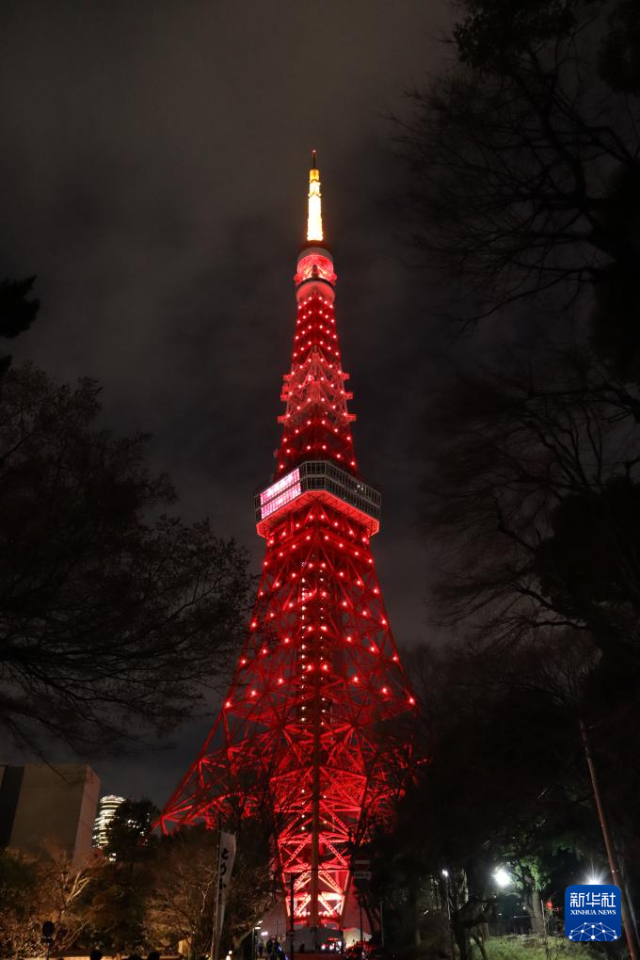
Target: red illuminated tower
(318, 692)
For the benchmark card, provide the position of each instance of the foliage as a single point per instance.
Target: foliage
(184, 884)
(115, 906)
(523, 158)
(34, 889)
(153, 894)
(533, 948)
(181, 903)
(493, 33)
(113, 613)
(18, 310)
(253, 887)
(533, 490)
(525, 181)
(524, 163)
(506, 784)
(129, 832)
(18, 904)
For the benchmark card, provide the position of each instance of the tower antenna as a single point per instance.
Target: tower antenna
(314, 219)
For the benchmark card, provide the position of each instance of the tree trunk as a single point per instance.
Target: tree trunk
(534, 906)
(461, 934)
(479, 941)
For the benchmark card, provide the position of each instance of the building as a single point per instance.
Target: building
(106, 811)
(48, 806)
(313, 727)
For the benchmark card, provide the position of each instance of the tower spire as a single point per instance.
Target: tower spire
(314, 221)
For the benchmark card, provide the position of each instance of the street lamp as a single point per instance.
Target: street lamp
(502, 878)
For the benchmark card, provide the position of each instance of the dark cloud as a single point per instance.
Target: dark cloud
(153, 176)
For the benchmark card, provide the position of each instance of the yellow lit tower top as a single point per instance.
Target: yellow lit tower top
(314, 222)
(315, 263)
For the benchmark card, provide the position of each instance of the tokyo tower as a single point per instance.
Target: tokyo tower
(315, 720)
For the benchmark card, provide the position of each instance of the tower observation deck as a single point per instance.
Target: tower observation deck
(312, 725)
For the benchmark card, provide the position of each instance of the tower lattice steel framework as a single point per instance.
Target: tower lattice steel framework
(319, 698)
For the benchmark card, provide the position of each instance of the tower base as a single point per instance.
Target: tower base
(325, 939)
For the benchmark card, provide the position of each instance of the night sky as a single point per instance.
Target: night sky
(154, 166)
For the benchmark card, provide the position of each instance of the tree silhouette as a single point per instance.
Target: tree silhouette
(18, 310)
(114, 614)
(524, 164)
